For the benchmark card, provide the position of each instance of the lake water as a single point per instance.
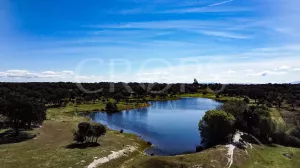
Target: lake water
(171, 126)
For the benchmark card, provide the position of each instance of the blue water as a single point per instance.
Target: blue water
(171, 126)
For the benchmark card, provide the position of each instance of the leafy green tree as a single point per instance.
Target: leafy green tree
(216, 127)
(195, 83)
(99, 130)
(235, 107)
(20, 109)
(265, 128)
(88, 132)
(111, 107)
(292, 100)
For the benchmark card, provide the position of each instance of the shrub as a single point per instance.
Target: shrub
(286, 140)
(111, 107)
(295, 132)
(264, 129)
(216, 126)
(98, 130)
(246, 100)
(88, 132)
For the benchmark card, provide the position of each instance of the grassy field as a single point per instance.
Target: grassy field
(211, 158)
(273, 157)
(49, 148)
(70, 112)
(277, 118)
(210, 96)
(257, 157)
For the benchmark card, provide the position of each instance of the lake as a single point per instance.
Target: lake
(171, 126)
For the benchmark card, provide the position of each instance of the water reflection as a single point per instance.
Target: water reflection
(172, 126)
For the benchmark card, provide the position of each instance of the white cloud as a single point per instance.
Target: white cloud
(208, 10)
(265, 73)
(224, 34)
(28, 74)
(2, 74)
(284, 67)
(68, 72)
(248, 70)
(19, 74)
(230, 72)
(152, 73)
(49, 73)
(220, 3)
(248, 67)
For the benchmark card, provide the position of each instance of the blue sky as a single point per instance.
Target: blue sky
(230, 41)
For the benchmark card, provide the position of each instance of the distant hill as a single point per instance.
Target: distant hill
(296, 82)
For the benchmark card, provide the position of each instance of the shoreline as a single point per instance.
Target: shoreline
(140, 136)
(82, 114)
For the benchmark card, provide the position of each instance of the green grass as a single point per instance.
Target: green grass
(70, 111)
(210, 96)
(277, 118)
(215, 157)
(272, 157)
(48, 150)
(259, 157)
(49, 147)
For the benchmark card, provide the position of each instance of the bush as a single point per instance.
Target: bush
(246, 100)
(295, 132)
(216, 127)
(286, 140)
(265, 129)
(87, 132)
(111, 107)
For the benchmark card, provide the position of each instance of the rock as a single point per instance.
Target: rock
(121, 131)
(288, 155)
(149, 143)
(83, 161)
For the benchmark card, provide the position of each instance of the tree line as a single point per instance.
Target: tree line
(218, 126)
(24, 104)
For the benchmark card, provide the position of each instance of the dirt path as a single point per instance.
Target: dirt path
(114, 155)
(230, 154)
(236, 138)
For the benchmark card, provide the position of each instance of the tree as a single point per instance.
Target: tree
(196, 83)
(118, 97)
(216, 127)
(99, 130)
(252, 118)
(235, 107)
(292, 100)
(256, 94)
(111, 107)
(265, 128)
(88, 133)
(246, 100)
(20, 110)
